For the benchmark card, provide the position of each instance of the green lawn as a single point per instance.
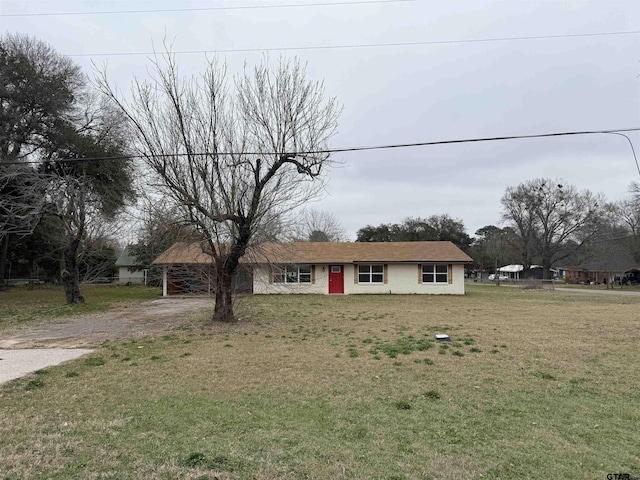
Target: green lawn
(535, 384)
(19, 304)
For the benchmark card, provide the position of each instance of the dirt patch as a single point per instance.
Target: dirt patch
(131, 321)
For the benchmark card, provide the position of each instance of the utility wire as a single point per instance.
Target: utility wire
(633, 150)
(337, 150)
(202, 9)
(362, 45)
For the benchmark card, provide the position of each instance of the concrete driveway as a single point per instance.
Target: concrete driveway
(17, 363)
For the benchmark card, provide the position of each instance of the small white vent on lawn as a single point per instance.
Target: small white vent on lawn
(443, 337)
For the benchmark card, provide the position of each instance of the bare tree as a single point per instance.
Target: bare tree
(20, 200)
(319, 226)
(97, 257)
(553, 220)
(628, 211)
(158, 227)
(517, 212)
(232, 158)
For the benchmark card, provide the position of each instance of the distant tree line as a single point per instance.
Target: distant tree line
(545, 222)
(435, 227)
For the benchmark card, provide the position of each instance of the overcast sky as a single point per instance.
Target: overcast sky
(430, 71)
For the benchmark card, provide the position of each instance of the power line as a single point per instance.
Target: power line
(344, 149)
(362, 45)
(633, 150)
(201, 9)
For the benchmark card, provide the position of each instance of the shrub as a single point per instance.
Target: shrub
(94, 361)
(403, 405)
(432, 395)
(34, 383)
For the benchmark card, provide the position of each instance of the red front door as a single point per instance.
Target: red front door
(336, 279)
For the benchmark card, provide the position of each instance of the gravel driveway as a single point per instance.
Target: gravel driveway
(63, 337)
(134, 320)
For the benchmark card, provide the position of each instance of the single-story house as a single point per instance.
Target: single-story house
(604, 262)
(596, 273)
(327, 268)
(516, 272)
(130, 270)
(512, 271)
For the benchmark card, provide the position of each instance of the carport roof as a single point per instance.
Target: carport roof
(326, 252)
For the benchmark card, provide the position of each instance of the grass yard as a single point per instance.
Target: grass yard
(535, 384)
(20, 305)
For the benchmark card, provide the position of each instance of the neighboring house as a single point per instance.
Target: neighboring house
(130, 271)
(605, 261)
(516, 272)
(327, 268)
(595, 272)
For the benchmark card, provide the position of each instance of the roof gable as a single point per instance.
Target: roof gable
(127, 259)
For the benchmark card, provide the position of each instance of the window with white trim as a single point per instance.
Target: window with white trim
(432, 273)
(370, 273)
(292, 274)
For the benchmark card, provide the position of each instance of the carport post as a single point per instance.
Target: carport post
(164, 280)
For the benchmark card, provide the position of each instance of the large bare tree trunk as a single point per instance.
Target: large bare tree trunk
(70, 273)
(546, 268)
(223, 311)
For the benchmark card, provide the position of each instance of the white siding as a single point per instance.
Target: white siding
(125, 276)
(261, 274)
(401, 279)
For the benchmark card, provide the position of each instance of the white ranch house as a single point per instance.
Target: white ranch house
(434, 268)
(130, 271)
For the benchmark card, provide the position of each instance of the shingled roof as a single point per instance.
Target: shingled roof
(183, 253)
(608, 255)
(326, 252)
(127, 259)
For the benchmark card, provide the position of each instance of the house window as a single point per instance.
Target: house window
(435, 273)
(292, 274)
(370, 274)
(304, 273)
